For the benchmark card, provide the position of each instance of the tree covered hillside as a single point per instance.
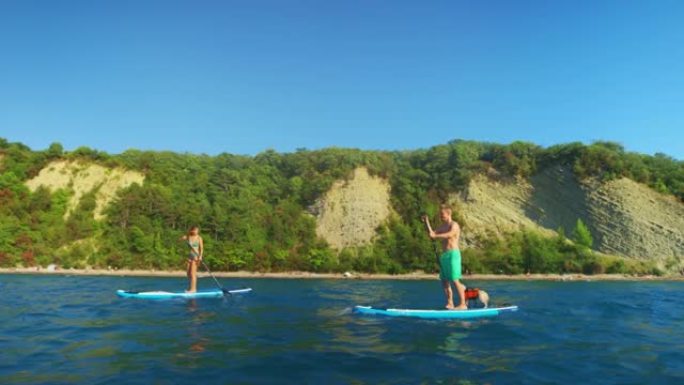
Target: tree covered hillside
(254, 211)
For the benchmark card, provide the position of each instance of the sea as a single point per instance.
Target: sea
(61, 329)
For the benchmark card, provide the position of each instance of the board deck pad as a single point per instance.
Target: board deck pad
(434, 313)
(168, 295)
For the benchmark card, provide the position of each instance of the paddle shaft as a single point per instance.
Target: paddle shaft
(212, 276)
(432, 242)
(434, 249)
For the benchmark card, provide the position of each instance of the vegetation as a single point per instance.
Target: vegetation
(253, 210)
(528, 251)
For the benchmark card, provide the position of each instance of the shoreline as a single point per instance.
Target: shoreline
(311, 275)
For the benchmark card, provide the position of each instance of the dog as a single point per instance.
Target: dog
(476, 298)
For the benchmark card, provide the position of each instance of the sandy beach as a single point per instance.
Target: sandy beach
(350, 275)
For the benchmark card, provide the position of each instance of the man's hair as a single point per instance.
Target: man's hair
(445, 207)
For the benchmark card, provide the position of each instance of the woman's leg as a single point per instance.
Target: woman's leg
(191, 272)
(188, 274)
(193, 276)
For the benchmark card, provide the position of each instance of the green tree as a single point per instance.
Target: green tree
(55, 150)
(255, 211)
(582, 235)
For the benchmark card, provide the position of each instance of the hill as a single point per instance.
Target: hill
(346, 209)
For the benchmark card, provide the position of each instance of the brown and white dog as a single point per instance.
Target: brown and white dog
(476, 298)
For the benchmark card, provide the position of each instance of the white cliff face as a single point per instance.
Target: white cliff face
(631, 219)
(83, 178)
(625, 218)
(351, 210)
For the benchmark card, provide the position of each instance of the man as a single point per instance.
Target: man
(449, 233)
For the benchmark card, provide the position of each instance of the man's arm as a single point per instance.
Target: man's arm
(452, 232)
(431, 233)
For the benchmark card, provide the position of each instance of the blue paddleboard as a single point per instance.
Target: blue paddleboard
(434, 314)
(168, 295)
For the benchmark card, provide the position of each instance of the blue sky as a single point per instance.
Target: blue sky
(245, 76)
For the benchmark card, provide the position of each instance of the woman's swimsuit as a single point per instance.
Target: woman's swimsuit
(194, 249)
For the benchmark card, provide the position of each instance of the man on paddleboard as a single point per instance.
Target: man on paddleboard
(449, 233)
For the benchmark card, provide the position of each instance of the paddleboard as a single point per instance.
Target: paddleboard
(434, 314)
(168, 295)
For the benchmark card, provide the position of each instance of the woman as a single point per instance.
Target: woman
(196, 245)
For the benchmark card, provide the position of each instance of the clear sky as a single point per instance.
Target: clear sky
(245, 76)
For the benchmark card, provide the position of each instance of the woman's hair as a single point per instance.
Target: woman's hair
(192, 228)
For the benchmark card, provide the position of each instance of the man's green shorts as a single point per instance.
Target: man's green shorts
(450, 265)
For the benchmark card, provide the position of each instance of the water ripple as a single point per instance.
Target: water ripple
(66, 330)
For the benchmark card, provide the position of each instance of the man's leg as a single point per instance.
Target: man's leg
(460, 288)
(448, 294)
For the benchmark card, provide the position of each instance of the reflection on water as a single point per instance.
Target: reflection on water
(197, 341)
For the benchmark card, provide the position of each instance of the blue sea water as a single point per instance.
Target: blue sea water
(75, 330)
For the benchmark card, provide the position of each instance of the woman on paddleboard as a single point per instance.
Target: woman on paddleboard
(196, 245)
(449, 233)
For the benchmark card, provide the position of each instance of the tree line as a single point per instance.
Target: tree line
(253, 211)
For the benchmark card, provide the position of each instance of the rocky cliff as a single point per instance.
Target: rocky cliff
(352, 209)
(626, 218)
(84, 178)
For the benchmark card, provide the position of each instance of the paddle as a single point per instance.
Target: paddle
(225, 291)
(432, 241)
(435, 250)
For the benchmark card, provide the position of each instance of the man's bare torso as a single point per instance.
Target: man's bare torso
(449, 243)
